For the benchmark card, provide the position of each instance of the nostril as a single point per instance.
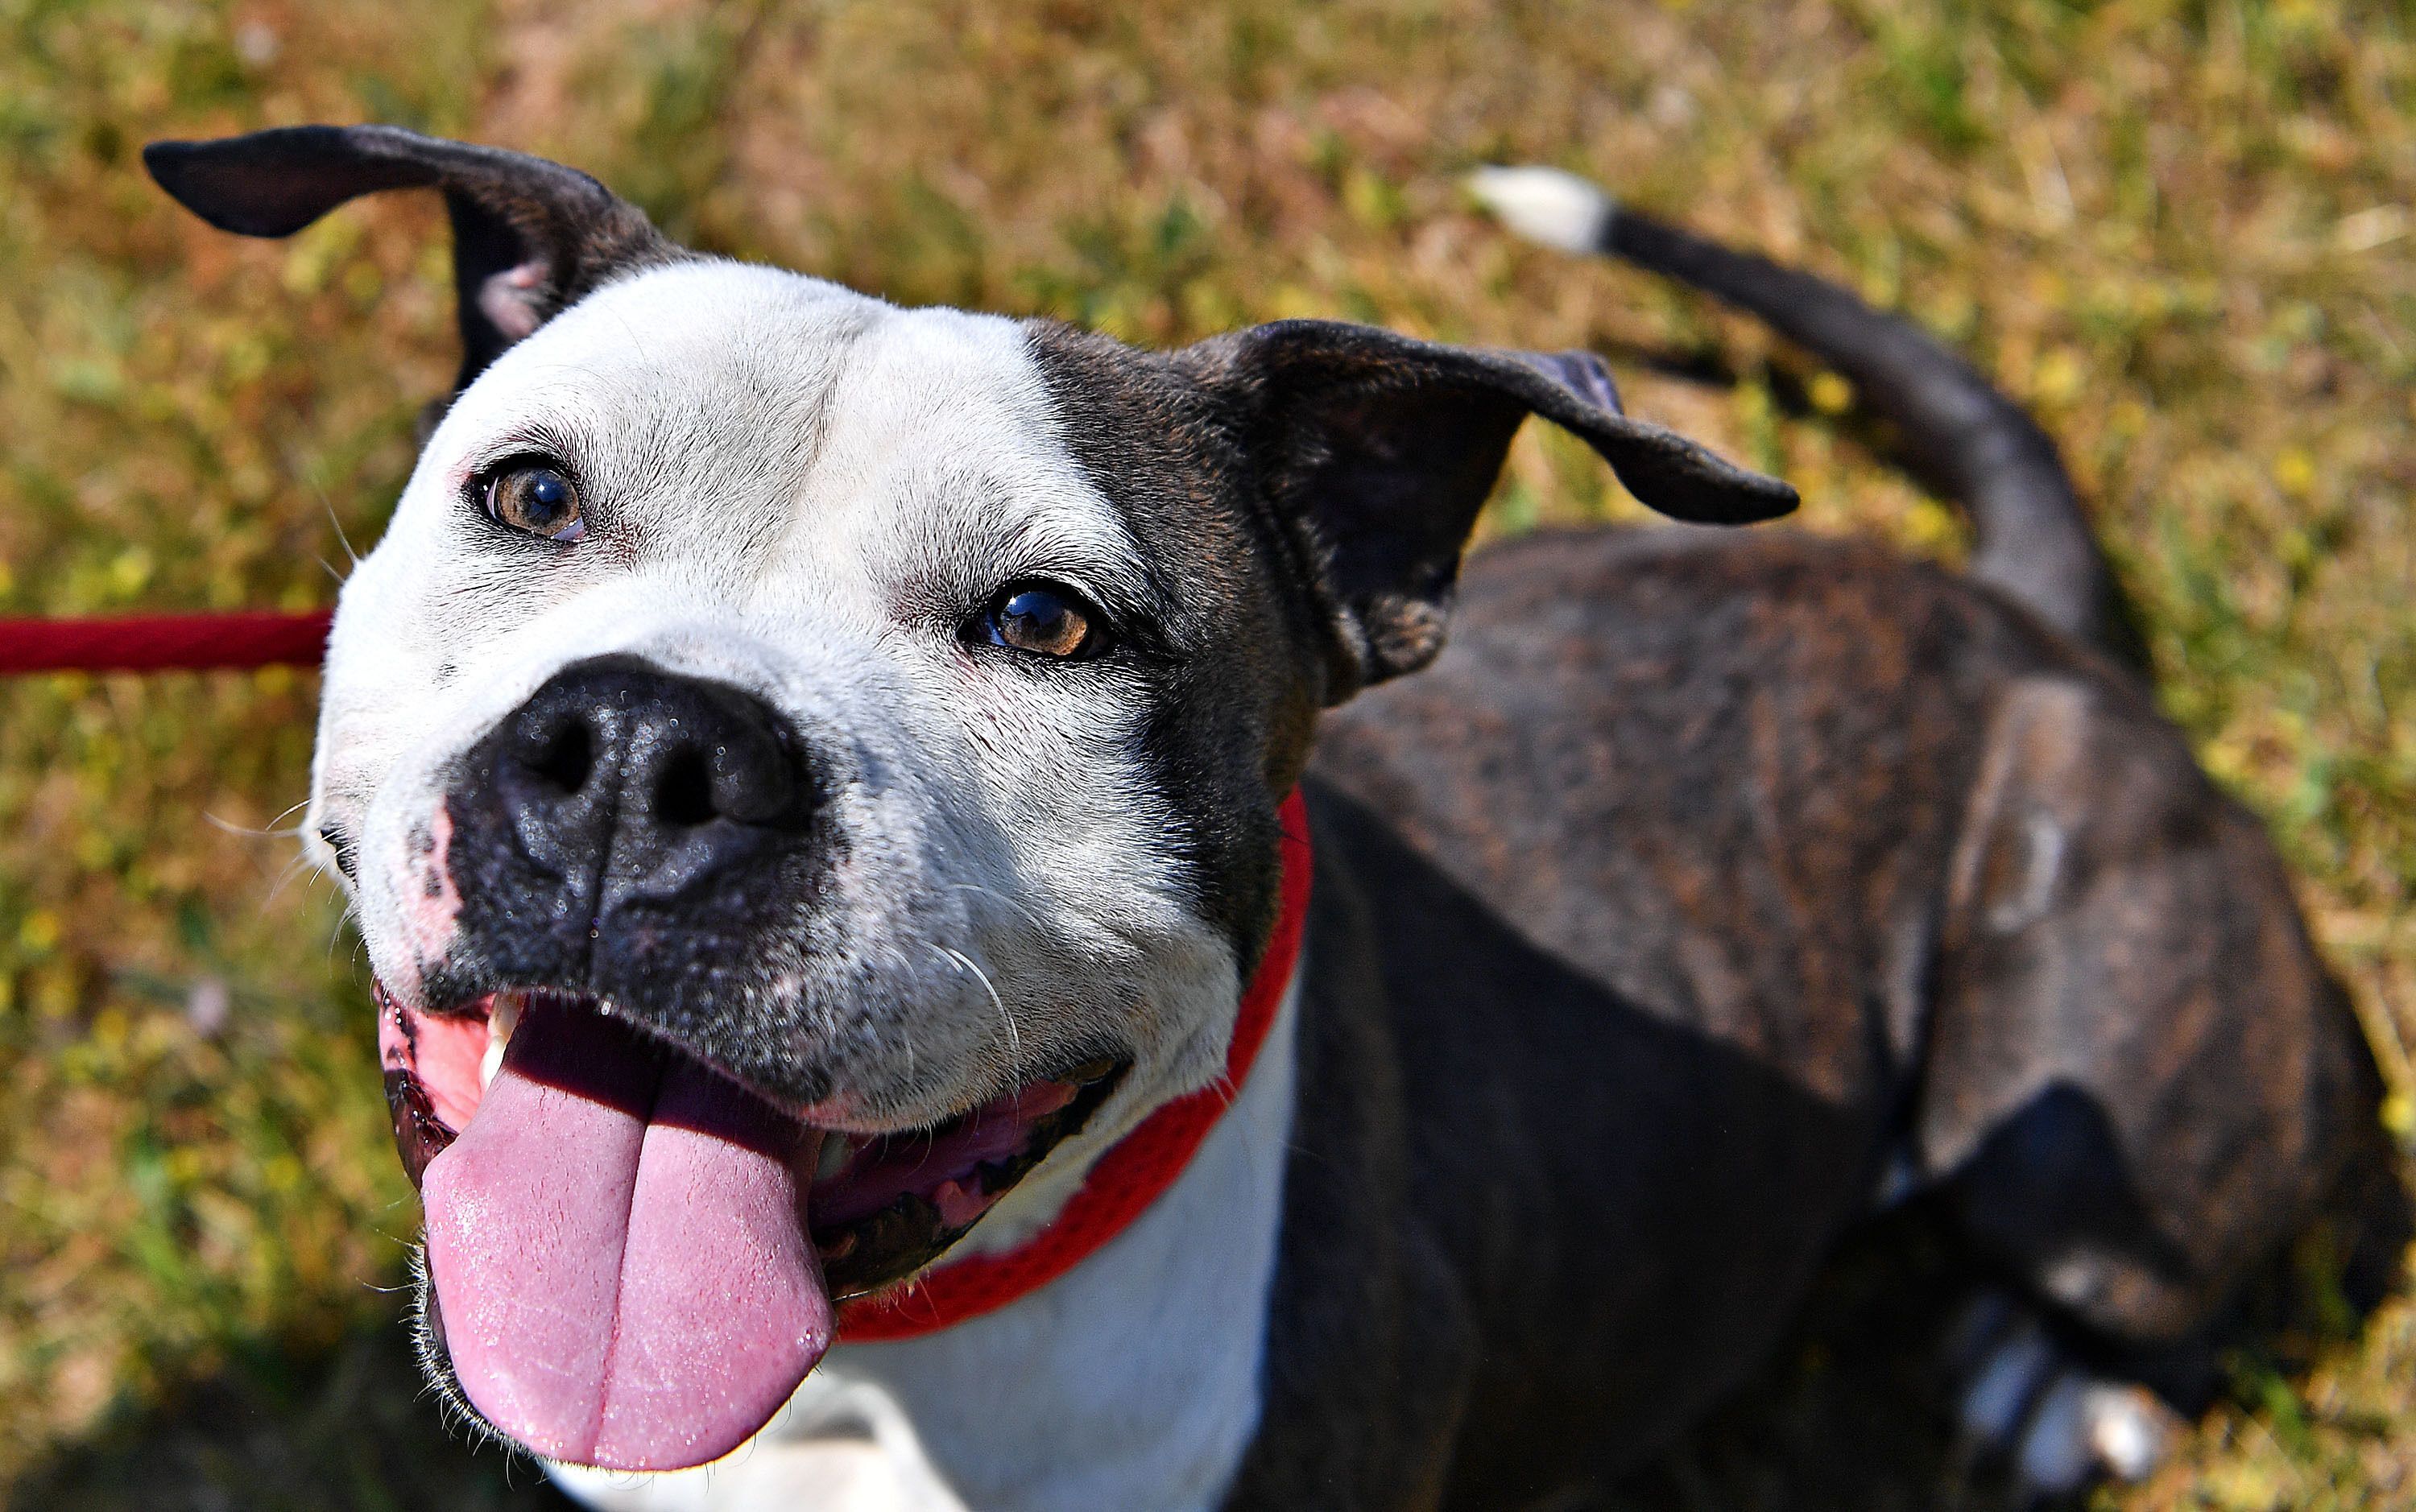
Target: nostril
(565, 756)
(683, 792)
(616, 767)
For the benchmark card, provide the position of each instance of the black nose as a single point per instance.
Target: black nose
(624, 786)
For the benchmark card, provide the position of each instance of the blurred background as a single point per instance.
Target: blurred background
(2180, 231)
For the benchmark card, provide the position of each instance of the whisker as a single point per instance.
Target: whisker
(1014, 1036)
(246, 831)
(230, 827)
(341, 539)
(285, 877)
(1038, 923)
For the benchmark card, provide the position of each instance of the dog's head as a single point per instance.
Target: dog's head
(806, 770)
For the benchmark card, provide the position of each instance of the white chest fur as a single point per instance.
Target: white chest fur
(1130, 1382)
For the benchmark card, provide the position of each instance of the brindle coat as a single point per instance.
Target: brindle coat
(1698, 875)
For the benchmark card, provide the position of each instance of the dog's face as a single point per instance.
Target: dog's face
(950, 820)
(806, 771)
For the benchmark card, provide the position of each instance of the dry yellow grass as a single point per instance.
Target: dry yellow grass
(2181, 232)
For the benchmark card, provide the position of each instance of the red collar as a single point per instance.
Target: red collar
(1132, 1174)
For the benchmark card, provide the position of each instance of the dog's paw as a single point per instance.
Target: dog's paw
(2056, 1425)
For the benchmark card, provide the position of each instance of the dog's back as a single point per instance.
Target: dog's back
(1720, 884)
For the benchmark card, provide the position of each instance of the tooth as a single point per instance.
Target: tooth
(501, 1020)
(837, 1150)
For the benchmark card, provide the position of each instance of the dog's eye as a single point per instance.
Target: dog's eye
(1044, 618)
(538, 499)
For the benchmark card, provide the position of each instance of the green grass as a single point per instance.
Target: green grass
(2181, 232)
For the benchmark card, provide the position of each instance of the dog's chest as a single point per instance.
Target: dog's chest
(1133, 1382)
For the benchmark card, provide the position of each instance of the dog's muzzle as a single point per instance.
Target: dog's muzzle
(635, 1236)
(626, 833)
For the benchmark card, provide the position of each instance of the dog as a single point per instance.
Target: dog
(819, 783)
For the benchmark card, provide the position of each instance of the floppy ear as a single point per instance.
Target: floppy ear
(529, 236)
(1376, 451)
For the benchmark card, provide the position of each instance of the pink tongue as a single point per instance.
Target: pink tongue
(618, 1251)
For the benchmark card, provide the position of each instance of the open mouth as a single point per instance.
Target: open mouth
(634, 1259)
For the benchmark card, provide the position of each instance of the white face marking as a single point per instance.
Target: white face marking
(803, 492)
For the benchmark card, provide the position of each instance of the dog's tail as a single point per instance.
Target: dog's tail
(1962, 436)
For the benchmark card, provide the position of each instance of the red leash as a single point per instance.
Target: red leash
(1132, 1174)
(164, 642)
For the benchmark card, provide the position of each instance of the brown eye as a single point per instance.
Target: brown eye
(533, 497)
(1044, 619)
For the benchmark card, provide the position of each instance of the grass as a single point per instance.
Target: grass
(2181, 231)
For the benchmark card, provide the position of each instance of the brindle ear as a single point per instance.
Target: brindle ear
(530, 237)
(1380, 449)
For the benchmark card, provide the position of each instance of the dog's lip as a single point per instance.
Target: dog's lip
(843, 1111)
(878, 1213)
